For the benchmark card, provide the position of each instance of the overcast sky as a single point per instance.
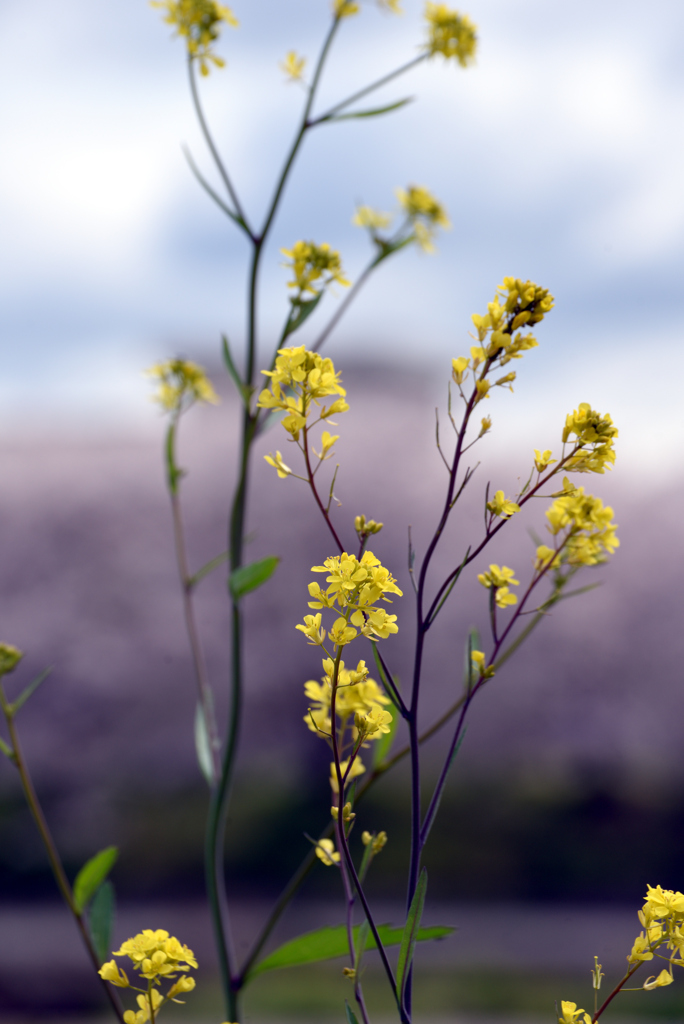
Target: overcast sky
(559, 157)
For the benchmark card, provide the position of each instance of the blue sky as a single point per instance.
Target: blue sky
(559, 157)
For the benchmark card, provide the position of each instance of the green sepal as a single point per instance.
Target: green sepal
(203, 746)
(351, 1016)
(301, 311)
(410, 936)
(373, 112)
(244, 390)
(92, 875)
(101, 920)
(330, 943)
(29, 691)
(249, 577)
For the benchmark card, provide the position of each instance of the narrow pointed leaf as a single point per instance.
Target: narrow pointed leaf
(30, 690)
(101, 920)
(249, 577)
(244, 391)
(329, 943)
(410, 936)
(7, 750)
(374, 111)
(202, 745)
(92, 875)
(351, 1016)
(209, 567)
(434, 808)
(383, 746)
(300, 312)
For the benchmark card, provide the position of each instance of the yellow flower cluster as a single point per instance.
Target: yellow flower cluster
(314, 267)
(299, 381)
(451, 34)
(198, 21)
(158, 956)
(180, 384)
(355, 587)
(596, 434)
(500, 578)
(589, 531)
(356, 694)
(425, 213)
(516, 304)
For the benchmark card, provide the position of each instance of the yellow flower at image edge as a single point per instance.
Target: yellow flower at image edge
(198, 21)
(451, 34)
(571, 1014)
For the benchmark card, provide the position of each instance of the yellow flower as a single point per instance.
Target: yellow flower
(181, 383)
(458, 369)
(325, 851)
(588, 527)
(425, 213)
(278, 463)
(375, 841)
(198, 21)
(641, 950)
(293, 66)
(372, 723)
(356, 692)
(366, 527)
(345, 8)
(571, 1013)
(155, 953)
(596, 435)
(144, 1014)
(546, 558)
(500, 578)
(110, 972)
(663, 902)
(312, 629)
(664, 978)
(356, 769)
(480, 662)
(450, 33)
(482, 390)
(543, 459)
(299, 381)
(313, 263)
(327, 442)
(486, 425)
(374, 220)
(502, 506)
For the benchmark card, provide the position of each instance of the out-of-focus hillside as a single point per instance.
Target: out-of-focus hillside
(88, 585)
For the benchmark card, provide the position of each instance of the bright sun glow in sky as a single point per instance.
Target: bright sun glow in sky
(559, 157)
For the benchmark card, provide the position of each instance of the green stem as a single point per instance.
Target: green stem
(369, 88)
(52, 853)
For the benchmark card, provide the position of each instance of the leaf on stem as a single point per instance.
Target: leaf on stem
(330, 943)
(29, 691)
(7, 751)
(383, 746)
(301, 311)
(351, 1016)
(92, 875)
(373, 112)
(101, 920)
(203, 746)
(248, 577)
(244, 391)
(410, 936)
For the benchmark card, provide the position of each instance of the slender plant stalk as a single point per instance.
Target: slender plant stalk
(53, 856)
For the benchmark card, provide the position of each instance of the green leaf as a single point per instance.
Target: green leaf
(249, 577)
(203, 746)
(382, 747)
(351, 1016)
(410, 936)
(92, 875)
(30, 690)
(329, 943)
(101, 920)
(7, 751)
(244, 391)
(374, 112)
(209, 567)
(301, 311)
